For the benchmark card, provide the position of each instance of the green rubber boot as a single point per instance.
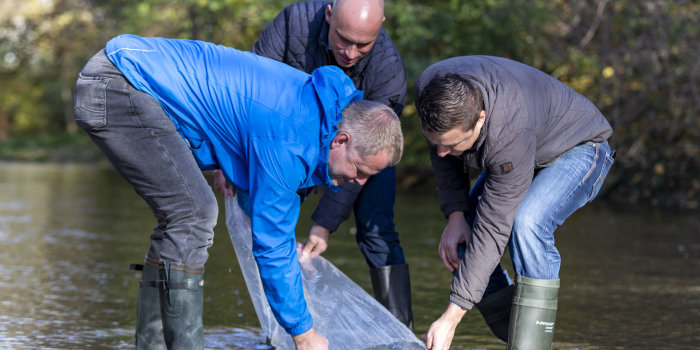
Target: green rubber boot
(181, 298)
(533, 315)
(149, 326)
(496, 309)
(392, 288)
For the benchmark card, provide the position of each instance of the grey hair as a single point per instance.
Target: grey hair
(449, 101)
(373, 127)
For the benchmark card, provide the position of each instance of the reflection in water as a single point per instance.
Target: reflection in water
(629, 278)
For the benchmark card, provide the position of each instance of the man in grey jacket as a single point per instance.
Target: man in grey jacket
(543, 151)
(349, 34)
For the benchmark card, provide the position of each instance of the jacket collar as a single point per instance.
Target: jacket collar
(335, 91)
(485, 128)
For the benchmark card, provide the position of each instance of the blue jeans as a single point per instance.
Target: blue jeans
(141, 142)
(556, 192)
(374, 218)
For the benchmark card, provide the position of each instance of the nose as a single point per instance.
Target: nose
(361, 179)
(442, 151)
(352, 52)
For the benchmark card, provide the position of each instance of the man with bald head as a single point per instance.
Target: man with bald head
(349, 34)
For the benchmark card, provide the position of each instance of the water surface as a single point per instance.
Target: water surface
(630, 276)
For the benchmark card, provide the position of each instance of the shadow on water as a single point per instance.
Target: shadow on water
(629, 275)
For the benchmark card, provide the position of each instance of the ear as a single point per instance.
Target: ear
(383, 19)
(340, 140)
(482, 118)
(329, 14)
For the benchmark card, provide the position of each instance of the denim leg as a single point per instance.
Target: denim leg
(556, 192)
(141, 141)
(374, 219)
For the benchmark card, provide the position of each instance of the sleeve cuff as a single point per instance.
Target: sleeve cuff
(448, 209)
(302, 327)
(461, 302)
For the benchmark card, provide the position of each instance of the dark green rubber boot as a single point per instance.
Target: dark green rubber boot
(533, 315)
(496, 309)
(392, 288)
(149, 326)
(181, 298)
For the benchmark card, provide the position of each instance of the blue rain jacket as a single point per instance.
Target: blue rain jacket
(266, 125)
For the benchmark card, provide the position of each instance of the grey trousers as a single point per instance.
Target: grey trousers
(141, 141)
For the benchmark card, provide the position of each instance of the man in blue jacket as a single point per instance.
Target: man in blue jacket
(349, 34)
(544, 153)
(162, 110)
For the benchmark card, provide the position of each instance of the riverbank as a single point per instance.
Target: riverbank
(66, 148)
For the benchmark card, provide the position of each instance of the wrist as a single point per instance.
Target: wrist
(454, 313)
(456, 215)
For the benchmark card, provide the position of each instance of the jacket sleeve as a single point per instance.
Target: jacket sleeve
(452, 182)
(271, 42)
(274, 213)
(386, 80)
(503, 192)
(335, 207)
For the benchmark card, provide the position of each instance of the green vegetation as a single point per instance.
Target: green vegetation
(61, 148)
(637, 60)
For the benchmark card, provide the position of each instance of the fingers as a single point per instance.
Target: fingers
(448, 254)
(318, 240)
(452, 256)
(445, 260)
(314, 246)
(308, 248)
(221, 185)
(229, 191)
(320, 248)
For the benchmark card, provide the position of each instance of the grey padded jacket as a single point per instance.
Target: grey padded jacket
(531, 120)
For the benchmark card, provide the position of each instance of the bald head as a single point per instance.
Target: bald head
(354, 26)
(361, 9)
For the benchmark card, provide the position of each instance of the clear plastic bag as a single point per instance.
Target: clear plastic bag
(342, 311)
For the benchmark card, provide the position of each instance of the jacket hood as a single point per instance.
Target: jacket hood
(335, 91)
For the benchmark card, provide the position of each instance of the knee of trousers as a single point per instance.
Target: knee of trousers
(532, 226)
(198, 216)
(530, 236)
(207, 212)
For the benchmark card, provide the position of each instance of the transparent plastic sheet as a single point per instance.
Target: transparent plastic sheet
(342, 311)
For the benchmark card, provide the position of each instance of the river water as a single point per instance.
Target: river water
(630, 276)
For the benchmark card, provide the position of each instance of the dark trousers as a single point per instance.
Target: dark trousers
(374, 219)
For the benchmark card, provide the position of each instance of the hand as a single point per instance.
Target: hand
(221, 185)
(318, 241)
(457, 231)
(310, 340)
(442, 331)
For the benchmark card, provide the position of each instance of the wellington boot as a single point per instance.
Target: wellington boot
(533, 315)
(392, 288)
(149, 326)
(181, 297)
(496, 308)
